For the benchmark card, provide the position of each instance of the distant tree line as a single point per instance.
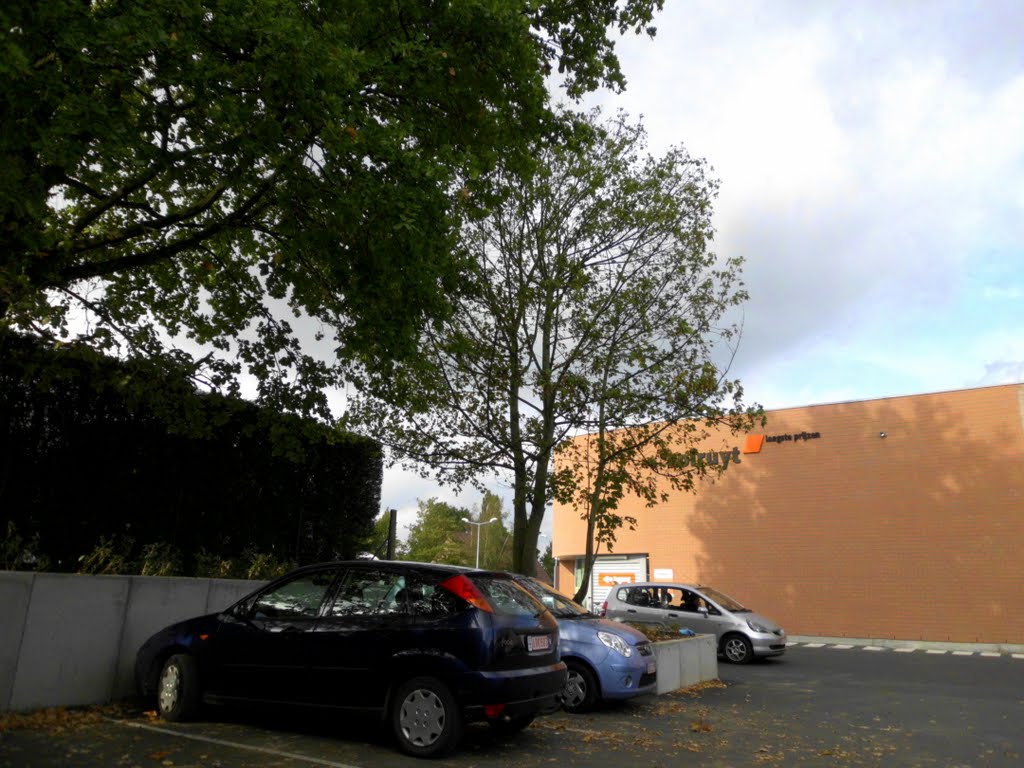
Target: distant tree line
(110, 466)
(441, 534)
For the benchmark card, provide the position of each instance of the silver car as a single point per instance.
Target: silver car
(742, 634)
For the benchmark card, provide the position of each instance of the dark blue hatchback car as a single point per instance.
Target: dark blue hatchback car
(428, 647)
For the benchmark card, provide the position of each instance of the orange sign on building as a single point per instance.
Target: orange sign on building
(753, 444)
(613, 579)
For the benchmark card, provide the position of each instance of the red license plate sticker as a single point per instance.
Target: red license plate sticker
(538, 642)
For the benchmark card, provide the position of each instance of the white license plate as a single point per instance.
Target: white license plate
(538, 642)
(651, 667)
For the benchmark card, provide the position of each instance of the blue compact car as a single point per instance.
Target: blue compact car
(607, 660)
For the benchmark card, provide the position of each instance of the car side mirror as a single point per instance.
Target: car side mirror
(703, 611)
(240, 611)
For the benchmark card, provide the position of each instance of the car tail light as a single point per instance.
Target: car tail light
(461, 586)
(604, 609)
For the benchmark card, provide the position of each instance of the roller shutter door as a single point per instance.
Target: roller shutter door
(611, 570)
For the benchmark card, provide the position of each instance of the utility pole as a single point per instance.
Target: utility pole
(392, 532)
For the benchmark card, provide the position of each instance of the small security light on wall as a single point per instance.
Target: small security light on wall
(881, 434)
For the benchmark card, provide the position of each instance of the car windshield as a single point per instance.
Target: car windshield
(562, 607)
(723, 600)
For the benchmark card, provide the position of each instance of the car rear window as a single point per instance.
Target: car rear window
(367, 592)
(387, 591)
(507, 597)
(421, 598)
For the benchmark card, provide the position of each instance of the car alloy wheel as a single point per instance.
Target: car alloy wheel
(737, 649)
(575, 690)
(580, 692)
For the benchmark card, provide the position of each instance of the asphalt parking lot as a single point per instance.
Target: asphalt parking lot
(824, 706)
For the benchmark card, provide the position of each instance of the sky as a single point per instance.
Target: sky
(871, 160)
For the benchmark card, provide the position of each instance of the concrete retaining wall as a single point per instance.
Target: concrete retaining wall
(686, 662)
(71, 640)
(68, 640)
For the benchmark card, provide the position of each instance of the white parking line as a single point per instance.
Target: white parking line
(911, 649)
(235, 744)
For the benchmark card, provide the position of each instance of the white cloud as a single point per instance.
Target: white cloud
(869, 154)
(1003, 372)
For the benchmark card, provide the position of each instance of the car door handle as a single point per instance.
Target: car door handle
(631, 610)
(673, 615)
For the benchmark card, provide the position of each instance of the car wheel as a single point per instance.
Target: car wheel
(177, 692)
(580, 693)
(737, 649)
(425, 718)
(511, 726)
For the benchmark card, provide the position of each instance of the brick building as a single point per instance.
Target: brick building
(897, 518)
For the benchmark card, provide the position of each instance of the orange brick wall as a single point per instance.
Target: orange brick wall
(917, 535)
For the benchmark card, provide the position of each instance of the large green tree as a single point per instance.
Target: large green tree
(596, 305)
(183, 175)
(442, 534)
(439, 535)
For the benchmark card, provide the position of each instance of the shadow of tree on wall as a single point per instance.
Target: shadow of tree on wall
(914, 535)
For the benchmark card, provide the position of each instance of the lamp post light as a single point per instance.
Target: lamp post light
(478, 525)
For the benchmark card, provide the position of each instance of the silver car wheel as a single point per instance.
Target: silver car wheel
(422, 717)
(170, 687)
(575, 689)
(737, 650)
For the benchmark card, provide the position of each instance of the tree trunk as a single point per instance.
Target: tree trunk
(589, 557)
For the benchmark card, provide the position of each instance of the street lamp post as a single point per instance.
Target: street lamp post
(478, 525)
